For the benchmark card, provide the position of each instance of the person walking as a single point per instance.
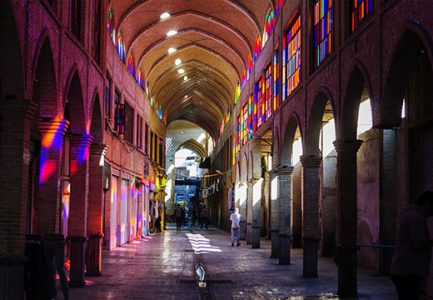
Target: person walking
(235, 218)
(411, 260)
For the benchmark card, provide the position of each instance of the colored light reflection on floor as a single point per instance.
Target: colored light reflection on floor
(200, 244)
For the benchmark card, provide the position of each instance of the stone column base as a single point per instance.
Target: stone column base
(311, 249)
(94, 255)
(12, 277)
(249, 233)
(255, 241)
(285, 241)
(77, 255)
(243, 225)
(275, 244)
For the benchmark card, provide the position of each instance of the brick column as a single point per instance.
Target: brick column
(310, 219)
(347, 216)
(48, 203)
(15, 129)
(95, 211)
(256, 202)
(284, 212)
(80, 145)
(249, 184)
(273, 190)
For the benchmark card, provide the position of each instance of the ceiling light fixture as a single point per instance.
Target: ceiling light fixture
(171, 50)
(181, 71)
(164, 15)
(171, 33)
(177, 62)
(185, 78)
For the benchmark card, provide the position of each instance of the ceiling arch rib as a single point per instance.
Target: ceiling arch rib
(189, 14)
(168, 66)
(195, 93)
(188, 38)
(194, 64)
(185, 53)
(232, 12)
(207, 89)
(216, 92)
(194, 146)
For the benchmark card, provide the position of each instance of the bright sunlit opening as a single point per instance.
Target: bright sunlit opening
(185, 78)
(181, 71)
(201, 138)
(171, 50)
(171, 33)
(296, 151)
(365, 121)
(177, 62)
(328, 137)
(164, 15)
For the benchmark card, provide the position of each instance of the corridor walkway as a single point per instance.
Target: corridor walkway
(162, 267)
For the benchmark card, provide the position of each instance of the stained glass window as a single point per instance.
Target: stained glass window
(237, 92)
(293, 54)
(257, 47)
(244, 78)
(245, 124)
(322, 31)
(276, 80)
(284, 68)
(238, 133)
(359, 9)
(121, 46)
(278, 9)
(269, 26)
(268, 93)
(130, 64)
(110, 26)
(139, 78)
(250, 115)
(260, 102)
(250, 66)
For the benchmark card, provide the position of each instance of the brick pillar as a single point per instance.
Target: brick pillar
(250, 212)
(15, 129)
(284, 212)
(310, 227)
(256, 203)
(275, 245)
(347, 216)
(95, 211)
(80, 145)
(48, 203)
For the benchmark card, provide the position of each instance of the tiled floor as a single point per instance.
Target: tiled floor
(162, 267)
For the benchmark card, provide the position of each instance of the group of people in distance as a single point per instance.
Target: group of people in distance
(201, 215)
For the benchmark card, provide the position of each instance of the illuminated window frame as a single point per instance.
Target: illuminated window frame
(322, 30)
(293, 56)
(268, 93)
(359, 9)
(276, 80)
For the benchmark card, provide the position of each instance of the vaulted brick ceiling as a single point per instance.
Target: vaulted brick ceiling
(214, 40)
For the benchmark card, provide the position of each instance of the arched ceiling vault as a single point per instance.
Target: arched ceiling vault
(214, 40)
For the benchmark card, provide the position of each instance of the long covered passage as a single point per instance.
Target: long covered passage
(162, 266)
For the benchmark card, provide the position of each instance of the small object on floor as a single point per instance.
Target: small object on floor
(233, 244)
